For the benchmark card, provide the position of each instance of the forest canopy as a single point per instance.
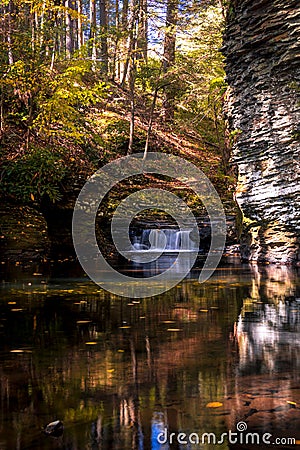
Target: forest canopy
(86, 81)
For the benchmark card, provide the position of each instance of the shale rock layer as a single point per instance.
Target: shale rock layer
(262, 50)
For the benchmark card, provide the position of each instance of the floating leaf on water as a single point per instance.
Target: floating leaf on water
(136, 302)
(130, 304)
(110, 370)
(168, 321)
(82, 322)
(12, 303)
(214, 405)
(76, 303)
(36, 274)
(174, 329)
(120, 350)
(214, 307)
(142, 317)
(17, 351)
(17, 309)
(91, 343)
(292, 403)
(203, 310)
(124, 327)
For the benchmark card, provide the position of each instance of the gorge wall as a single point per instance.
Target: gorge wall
(262, 50)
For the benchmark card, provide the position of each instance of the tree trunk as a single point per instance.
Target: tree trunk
(93, 25)
(132, 38)
(103, 31)
(169, 57)
(69, 30)
(263, 110)
(79, 25)
(142, 39)
(132, 76)
(114, 69)
(9, 34)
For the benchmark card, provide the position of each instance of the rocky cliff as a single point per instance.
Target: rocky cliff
(262, 50)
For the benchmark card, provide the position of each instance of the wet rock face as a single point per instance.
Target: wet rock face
(262, 50)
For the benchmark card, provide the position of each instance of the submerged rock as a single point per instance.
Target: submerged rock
(261, 45)
(54, 429)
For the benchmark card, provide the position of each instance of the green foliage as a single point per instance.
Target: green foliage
(115, 135)
(148, 75)
(37, 173)
(61, 105)
(296, 135)
(201, 74)
(233, 135)
(59, 97)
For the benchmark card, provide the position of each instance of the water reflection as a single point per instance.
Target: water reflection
(268, 344)
(164, 262)
(119, 371)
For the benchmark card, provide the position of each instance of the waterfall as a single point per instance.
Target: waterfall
(168, 239)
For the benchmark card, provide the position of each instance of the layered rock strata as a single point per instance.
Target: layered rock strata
(262, 50)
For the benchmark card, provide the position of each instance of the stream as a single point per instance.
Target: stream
(123, 374)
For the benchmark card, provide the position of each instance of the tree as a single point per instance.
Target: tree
(103, 34)
(69, 29)
(169, 56)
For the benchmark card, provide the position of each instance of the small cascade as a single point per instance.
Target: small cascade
(164, 239)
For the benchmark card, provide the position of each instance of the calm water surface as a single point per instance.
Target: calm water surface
(117, 372)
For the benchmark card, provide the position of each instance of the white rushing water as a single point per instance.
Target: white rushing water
(164, 239)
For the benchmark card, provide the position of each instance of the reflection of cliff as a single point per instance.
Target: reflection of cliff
(268, 338)
(268, 327)
(266, 392)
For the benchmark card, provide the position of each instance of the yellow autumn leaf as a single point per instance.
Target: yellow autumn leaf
(292, 403)
(174, 329)
(214, 405)
(32, 197)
